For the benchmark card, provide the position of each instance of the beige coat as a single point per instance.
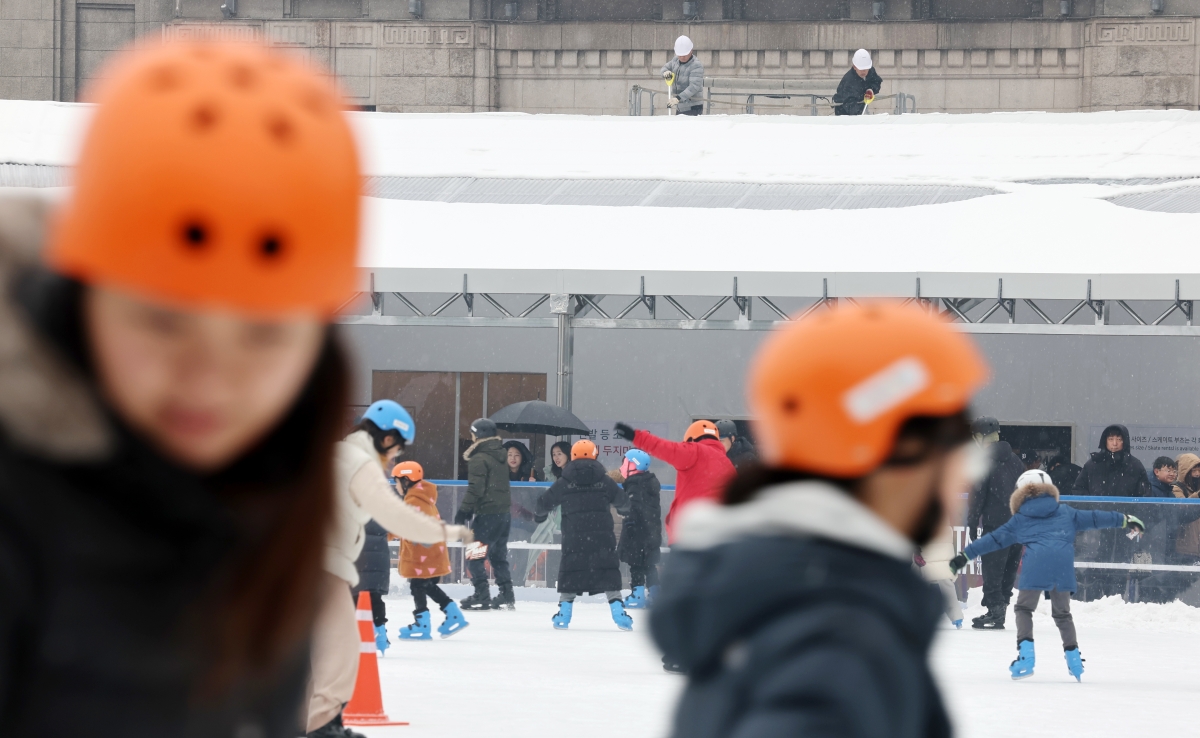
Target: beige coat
(361, 493)
(937, 554)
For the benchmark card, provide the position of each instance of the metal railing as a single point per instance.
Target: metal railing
(745, 94)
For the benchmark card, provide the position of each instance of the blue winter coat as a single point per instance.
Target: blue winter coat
(1047, 529)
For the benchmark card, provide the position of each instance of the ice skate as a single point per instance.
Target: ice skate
(993, 620)
(334, 729)
(480, 600)
(562, 619)
(1074, 663)
(381, 639)
(505, 599)
(957, 623)
(619, 616)
(1022, 667)
(418, 631)
(636, 599)
(454, 621)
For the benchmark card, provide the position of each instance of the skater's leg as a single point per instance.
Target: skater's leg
(613, 595)
(997, 581)
(1060, 610)
(436, 593)
(950, 600)
(567, 596)
(637, 576)
(378, 608)
(498, 551)
(419, 590)
(1027, 602)
(652, 575)
(335, 648)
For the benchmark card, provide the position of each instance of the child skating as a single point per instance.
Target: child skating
(641, 533)
(422, 565)
(934, 561)
(589, 545)
(1047, 530)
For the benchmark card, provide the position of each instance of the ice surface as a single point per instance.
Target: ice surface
(510, 675)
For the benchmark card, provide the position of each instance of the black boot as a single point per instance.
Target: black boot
(334, 729)
(671, 667)
(505, 599)
(481, 600)
(994, 620)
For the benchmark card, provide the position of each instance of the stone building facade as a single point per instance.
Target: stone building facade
(583, 56)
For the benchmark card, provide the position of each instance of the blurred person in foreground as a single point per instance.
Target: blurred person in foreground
(172, 393)
(792, 603)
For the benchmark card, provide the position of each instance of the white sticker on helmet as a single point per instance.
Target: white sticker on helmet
(400, 424)
(885, 389)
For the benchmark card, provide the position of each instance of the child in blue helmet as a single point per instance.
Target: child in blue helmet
(641, 533)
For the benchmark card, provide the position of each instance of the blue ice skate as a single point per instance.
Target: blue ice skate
(562, 618)
(1075, 663)
(454, 620)
(957, 623)
(619, 616)
(636, 599)
(381, 639)
(1022, 668)
(418, 631)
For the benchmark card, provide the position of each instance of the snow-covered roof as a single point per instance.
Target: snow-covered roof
(1051, 228)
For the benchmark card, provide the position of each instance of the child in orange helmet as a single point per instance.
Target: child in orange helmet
(589, 543)
(424, 564)
(796, 591)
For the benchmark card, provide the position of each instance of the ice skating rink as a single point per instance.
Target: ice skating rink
(510, 675)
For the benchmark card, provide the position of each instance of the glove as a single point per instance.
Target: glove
(462, 517)
(673, 102)
(623, 431)
(869, 95)
(539, 519)
(1132, 522)
(460, 533)
(958, 563)
(668, 74)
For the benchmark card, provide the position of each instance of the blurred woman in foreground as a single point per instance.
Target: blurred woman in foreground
(170, 393)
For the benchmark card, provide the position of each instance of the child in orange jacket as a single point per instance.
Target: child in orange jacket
(424, 565)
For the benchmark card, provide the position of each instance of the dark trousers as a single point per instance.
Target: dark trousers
(999, 573)
(424, 590)
(492, 531)
(698, 110)
(1060, 610)
(378, 608)
(643, 576)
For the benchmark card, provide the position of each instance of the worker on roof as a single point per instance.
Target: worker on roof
(688, 75)
(858, 87)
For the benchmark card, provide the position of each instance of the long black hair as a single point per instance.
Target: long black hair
(565, 447)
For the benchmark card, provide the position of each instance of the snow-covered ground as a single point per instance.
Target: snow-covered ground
(510, 675)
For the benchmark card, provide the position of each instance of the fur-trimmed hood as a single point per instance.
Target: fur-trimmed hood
(47, 406)
(499, 444)
(1029, 492)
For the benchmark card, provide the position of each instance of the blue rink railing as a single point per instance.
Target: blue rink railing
(1099, 554)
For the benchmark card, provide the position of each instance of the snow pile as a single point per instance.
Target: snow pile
(1116, 614)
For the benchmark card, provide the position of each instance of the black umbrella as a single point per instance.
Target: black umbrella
(536, 416)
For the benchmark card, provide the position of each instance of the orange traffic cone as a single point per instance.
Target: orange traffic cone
(366, 706)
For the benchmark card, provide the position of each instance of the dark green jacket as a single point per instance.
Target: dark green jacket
(487, 478)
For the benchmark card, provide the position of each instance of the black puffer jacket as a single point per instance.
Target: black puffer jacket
(742, 453)
(989, 503)
(1110, 474)
(852, 89)
(108, 553)
(641, 533)
(375, 562)
(589, 545)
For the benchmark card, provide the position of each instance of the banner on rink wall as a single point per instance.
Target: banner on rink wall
(612, 449)
(1148, 442)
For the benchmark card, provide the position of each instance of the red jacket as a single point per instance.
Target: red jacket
(702, 469)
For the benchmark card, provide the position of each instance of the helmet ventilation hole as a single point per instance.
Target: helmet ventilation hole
(281, 129)
(271, 247)
(790, 405)
(195, 236)
(204, 118)
(242, 77)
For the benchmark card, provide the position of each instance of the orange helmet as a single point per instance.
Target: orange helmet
(701, 429)
(215, 174)
(584, 449)
(410, 470)
(830, 392)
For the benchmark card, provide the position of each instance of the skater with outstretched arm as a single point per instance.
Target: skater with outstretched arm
(1047, 529)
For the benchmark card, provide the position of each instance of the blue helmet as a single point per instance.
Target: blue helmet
(640, 459)
(388, 416)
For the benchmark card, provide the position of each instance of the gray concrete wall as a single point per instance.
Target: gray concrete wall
(567, 56)
(675, 376)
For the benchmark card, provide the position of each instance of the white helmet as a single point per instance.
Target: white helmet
(1034, 476)
(862, 59)
(683, 46)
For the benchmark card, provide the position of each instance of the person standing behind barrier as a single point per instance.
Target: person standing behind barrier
(860, 83)
(1162, 478)
(740, 451)
(792, 602)
(486, 505)
(988, 510)
(689, 79)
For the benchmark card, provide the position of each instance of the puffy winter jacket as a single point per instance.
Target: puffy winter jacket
(1184, 486)
(641, 533)
(108, 550)
(374, 564)
(1159, 488)
(1110, 474)
(422, 561)
(742, 453)
(702, 469)
(488, 492)
(798, 614)
(988, 504)
(1047, 530)
(589, 544)
(689, 81)
(852, 89)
